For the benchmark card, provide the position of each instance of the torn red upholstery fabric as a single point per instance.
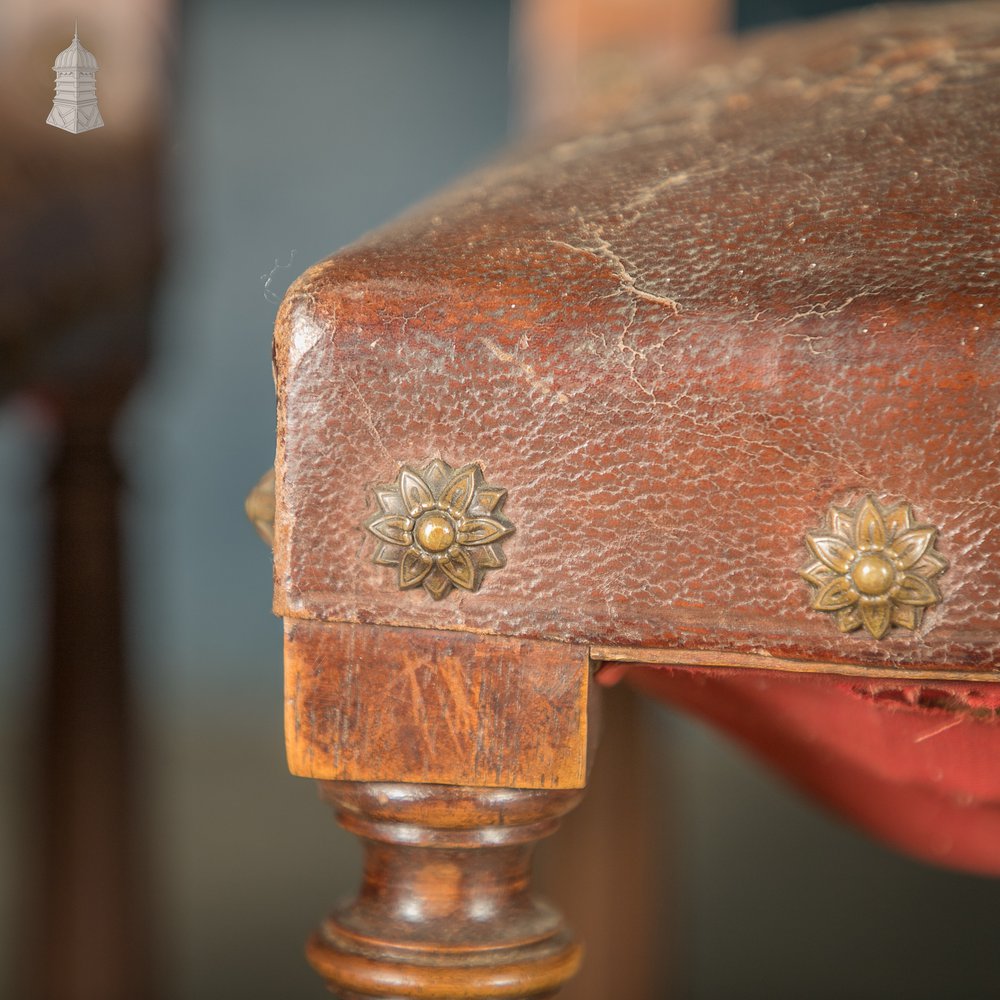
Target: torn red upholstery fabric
(915, 764)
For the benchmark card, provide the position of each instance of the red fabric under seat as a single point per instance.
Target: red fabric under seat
(917, 764)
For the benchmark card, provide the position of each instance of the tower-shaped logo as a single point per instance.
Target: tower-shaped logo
(75, 107)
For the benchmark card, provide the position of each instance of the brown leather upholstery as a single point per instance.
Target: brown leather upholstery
(676, 338)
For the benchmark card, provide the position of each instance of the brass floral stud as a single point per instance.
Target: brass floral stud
(874, 567)
(440, 526)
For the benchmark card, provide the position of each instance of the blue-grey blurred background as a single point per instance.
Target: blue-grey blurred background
(296, 127)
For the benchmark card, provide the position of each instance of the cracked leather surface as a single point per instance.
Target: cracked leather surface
(676, 338)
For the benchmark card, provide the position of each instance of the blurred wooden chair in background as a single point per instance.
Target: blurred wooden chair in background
(80, 246)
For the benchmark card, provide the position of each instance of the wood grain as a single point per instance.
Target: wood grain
(365, 703)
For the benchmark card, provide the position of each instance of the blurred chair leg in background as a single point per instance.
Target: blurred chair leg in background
(80, 248)
(609, 866)
(91, 933)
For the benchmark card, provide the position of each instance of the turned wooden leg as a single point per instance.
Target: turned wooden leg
(450, 755)
(445, 908)
(86, 919)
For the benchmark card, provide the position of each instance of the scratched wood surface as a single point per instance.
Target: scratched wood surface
(676, 337)
(365, 703)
